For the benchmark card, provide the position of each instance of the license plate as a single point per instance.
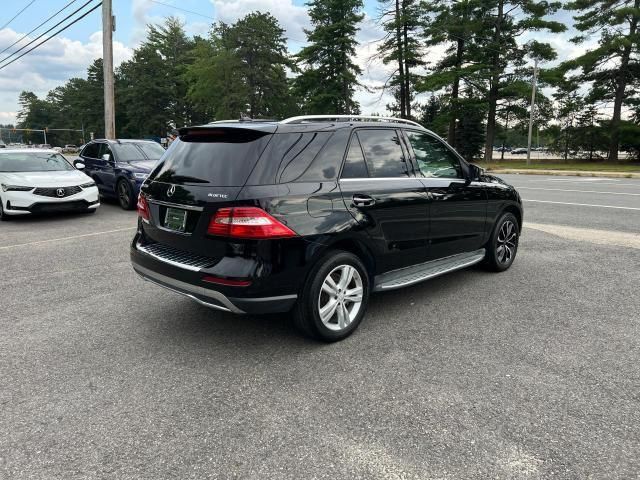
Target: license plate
(175, 219)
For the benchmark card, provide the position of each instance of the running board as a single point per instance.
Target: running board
(419, 273)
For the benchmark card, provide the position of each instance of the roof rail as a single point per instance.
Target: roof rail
(347, 118)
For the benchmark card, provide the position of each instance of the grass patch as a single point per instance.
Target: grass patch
(579, 166)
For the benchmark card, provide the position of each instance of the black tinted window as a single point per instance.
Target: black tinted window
(327, 163)
(218, 157)
(91, 150)
(433, 157)
(354, 166)
(299, 151)
(383, 153)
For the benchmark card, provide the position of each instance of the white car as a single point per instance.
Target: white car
(40, 181)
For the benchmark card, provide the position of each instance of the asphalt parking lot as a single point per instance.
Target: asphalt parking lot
(532, 373)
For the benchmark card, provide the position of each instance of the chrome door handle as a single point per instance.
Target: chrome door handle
(363, 201)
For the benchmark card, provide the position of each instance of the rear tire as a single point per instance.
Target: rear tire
(502, 246)
(124, 193)
(334, 298)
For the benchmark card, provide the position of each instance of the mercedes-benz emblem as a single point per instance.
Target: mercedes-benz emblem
(60, 192)
(171, 190)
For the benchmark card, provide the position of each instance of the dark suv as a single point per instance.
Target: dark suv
(312, 214)
(119, 166)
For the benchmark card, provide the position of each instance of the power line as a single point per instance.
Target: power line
(52, 36)
(17, 15)
(43, 34)
(27, 34)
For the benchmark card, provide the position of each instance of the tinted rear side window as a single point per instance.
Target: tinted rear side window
(219, 157)
(354, 166)
(300, 157)
(301, 149)
(383, 153)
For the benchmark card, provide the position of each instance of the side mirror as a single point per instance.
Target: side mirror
(474, 173)
(106, 157)
(79, 165)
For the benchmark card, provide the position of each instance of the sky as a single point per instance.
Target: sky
(69, 54)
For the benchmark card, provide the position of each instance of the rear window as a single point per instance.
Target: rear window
(218, 157)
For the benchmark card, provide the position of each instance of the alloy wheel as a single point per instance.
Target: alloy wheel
(123, 194)
(340, 297)
(506, 242)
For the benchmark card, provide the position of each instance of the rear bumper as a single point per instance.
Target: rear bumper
(189, 283)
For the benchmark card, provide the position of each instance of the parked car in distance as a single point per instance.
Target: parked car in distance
(313, 214)
(502, 149)
(69, 149)
(120, 166)
(519, 151)
(2, 144)
(41, 181)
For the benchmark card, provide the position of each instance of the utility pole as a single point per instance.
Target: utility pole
(107, 63)
(533, 106)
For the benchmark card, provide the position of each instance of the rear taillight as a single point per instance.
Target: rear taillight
(143, 207)
(247, 222)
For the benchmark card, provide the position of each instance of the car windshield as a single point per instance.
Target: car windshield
(128, 152)
(152, 150)
(33, 162)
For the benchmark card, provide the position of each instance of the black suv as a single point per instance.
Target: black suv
(313, 214)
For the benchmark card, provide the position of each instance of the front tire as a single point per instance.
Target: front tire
(3, 216)
(125, 194)
(503, 244)
(334, 298)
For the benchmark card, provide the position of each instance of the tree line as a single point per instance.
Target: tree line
(478, 92)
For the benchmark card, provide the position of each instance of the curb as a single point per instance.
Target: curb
(574, 173)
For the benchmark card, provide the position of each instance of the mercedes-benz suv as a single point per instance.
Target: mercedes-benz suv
(313, 214)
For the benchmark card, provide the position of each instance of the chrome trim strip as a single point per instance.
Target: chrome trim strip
(377, 179)
(176, 205)
(187, 289)
(142, 249)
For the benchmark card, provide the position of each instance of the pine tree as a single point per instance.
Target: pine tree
(501, 54)
(328, 77)
(401, 48)
(453, 24)
(613, 66)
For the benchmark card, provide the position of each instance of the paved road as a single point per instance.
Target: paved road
(533, 373)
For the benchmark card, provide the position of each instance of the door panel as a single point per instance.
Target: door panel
(390, 204)
(458, 208)
(457, 216)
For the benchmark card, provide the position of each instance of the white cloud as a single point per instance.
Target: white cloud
(49, 66)
(293, 18)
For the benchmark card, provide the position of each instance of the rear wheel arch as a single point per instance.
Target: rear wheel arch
(360, 250)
